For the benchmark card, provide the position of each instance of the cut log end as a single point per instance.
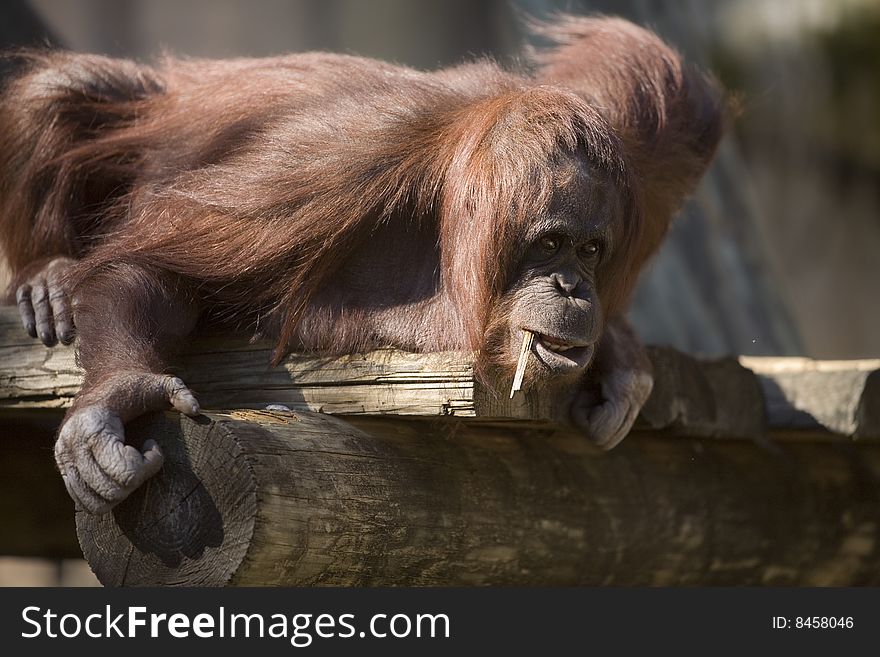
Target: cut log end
(190, 525)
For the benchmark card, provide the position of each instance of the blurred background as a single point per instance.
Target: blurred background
(779, 251)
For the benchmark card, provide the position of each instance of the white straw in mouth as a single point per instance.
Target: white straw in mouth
(528, 339)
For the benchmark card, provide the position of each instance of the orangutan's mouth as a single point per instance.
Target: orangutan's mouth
(562, 354)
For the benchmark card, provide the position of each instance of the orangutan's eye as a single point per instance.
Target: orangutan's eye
(550, 244)
(590, 250)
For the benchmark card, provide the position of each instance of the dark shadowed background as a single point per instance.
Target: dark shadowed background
(779, 251)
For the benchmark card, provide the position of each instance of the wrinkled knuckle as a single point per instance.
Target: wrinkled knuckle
(127, 476)
(116, 494)
(39, 293)
(61, 263)
(604, 438)
(63, 455)
(61, 448)
(96, 420)
(66, 438)
(172, 385)
(638, 385)
(23, 293)
(108, 491)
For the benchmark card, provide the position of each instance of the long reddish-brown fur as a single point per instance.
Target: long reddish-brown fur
(241, 189)
(668, 114)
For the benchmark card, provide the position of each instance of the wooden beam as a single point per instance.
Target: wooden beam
(262, 498)
(840, 396)
(718, 398)
(233, 373)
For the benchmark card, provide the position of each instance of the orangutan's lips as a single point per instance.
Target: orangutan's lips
(558, 353)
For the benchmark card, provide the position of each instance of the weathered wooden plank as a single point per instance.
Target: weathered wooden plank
(259, 498)
(714, 398)
(831, 395)
(227, 373)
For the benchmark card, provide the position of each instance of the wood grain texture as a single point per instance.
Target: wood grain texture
(228, 373)
(260, 498)
(721, 398)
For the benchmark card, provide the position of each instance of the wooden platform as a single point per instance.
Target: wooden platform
(740, 471)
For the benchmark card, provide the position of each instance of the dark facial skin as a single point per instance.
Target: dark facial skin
(554, 291)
